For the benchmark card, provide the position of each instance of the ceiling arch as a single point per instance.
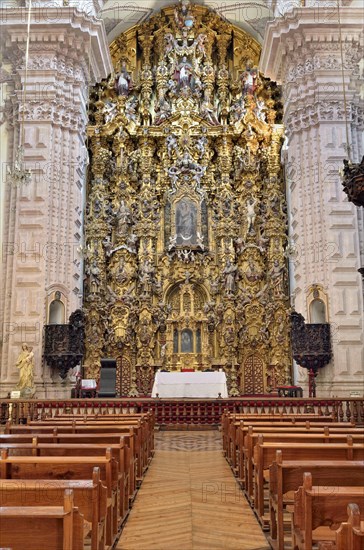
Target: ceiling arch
(250, 15)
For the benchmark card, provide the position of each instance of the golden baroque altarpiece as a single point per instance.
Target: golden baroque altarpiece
(186, 218)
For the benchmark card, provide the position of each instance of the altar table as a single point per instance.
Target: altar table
(190, 384)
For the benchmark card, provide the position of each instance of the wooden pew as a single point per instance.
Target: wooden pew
(130, 460)
(90, 497)
(75, 428)
(318, 511)
(308, 428)
(285, 477)
(146, 421)
(35, 448)
(265, 453)
(251, 439)
(350, 535)
(73, 468)
(232, 437)
(36, 527)
(230, 421)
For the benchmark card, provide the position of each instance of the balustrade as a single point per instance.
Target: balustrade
(172, 411)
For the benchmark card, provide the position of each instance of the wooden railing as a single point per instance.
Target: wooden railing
(174, 411)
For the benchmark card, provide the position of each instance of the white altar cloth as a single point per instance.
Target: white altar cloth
(190, 384)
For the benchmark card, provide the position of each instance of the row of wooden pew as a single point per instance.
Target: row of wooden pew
(276, 461)
(67, 483)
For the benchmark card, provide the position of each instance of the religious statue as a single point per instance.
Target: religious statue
(250, 205)
(94, 275)
(124, 82)
(276, 277)
(172, 242)
(25, 363)
(259, 110)
(146, 273)
(249, 81)
(230, 275)
(201, 145)
(183, 15)
(238, 110)
(199, 241)
(131, 109)
(208, 112)
(163, 109)
(109, 111)
(172, 144)
(122, 273)
(185, 72)
(124, 219)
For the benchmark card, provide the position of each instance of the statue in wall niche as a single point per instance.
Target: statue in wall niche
(208, 112)
(251, 215)
(185, 73)
(25, 364)
(94, 276)
(249, 81)
(123, 219)
(252, 274)
(122, 276)
(163, 110)
(276, 278)
(146, 275)
(230, 273)
(123, 82)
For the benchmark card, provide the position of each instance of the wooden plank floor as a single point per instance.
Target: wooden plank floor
(189, 500)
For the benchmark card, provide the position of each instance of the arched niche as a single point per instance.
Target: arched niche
(318, 312)
(56, 308)
(56, 313)
(317, 305)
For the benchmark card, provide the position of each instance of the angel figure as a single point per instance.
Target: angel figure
(109, 111)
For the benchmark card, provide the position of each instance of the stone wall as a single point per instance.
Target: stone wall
(316, 55)
(43, 221)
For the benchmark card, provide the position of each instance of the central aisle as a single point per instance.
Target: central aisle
(189, 500)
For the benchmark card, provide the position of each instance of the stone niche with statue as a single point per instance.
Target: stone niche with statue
(186, 216)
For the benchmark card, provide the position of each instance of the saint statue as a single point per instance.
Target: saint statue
(123, 83)
(123, 219)
(250, 207)
(185, 72)
(25, 363)
(230, 275)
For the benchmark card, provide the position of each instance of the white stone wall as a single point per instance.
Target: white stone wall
(43, 221)
(304, 52)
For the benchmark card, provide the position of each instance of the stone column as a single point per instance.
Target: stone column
(43, 221)
(316, 54)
